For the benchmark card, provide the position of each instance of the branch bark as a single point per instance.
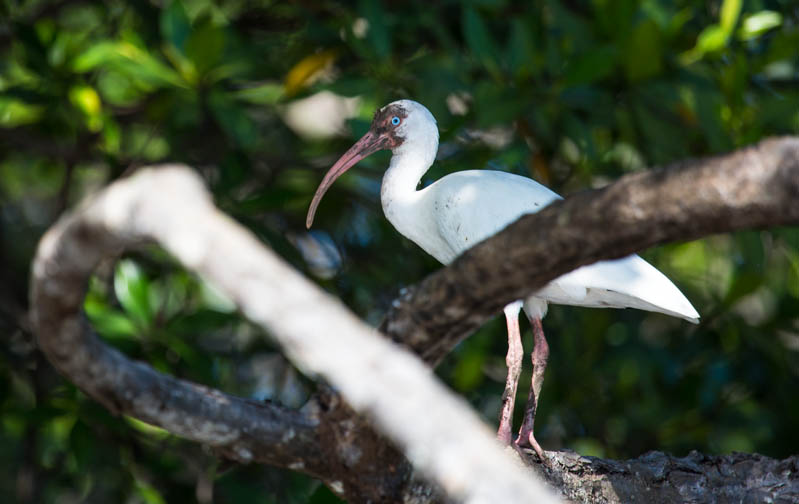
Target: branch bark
(658, 478)
(752, 188)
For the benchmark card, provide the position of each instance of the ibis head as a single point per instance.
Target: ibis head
(400, 124)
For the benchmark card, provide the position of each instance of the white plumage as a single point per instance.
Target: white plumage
(463, 208)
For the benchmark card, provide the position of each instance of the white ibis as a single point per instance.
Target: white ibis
(463, 208)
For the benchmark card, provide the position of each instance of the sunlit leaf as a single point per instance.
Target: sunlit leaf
(117, 89)
(149, 429)
(149, 493)
(16, 113)
(715, 36)
(759, 23)
(101, 53)
(303, 73)
(712, 38)
(263, 94)
(111, 323)
(730, 10)
(128, 59)
(132, 291)
(86, 99)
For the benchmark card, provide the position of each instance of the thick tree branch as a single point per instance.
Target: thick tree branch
(392, 387)
(755, 187)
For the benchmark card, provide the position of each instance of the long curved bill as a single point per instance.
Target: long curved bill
(368, 144)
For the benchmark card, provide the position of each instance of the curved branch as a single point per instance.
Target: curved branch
(755, 187)
(321, 336)
(67, 256)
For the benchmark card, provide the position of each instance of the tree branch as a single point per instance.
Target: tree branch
(321, 336)
(755, 187)
(658, 478)
(752, 188)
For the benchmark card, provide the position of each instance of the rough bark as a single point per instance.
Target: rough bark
(658, 478)
(751, 188)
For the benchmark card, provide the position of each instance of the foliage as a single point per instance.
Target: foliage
(571, 93)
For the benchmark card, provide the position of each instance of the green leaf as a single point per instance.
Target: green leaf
(117, 89)
(132, 291)
(644, 52)
(521, 49)
(150, 430)
(352, 86)
(204, 47)
(86, 99)
(479, 40)
(16, 113)
(82, 445)
(378, 34)
(496, 105)
(130, 60)
(712, 38)
(96, 55)
(592, 65)
(109, 322)
(149, 493)
(233, 119)
(201, 320)
(175, 24)
(264, 94)
(730, 10)
(468, 373)
(715, 36)
(744, 283)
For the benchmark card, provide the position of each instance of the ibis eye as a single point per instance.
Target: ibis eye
(395, 120)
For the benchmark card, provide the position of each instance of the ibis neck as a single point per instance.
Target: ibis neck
(398, 195)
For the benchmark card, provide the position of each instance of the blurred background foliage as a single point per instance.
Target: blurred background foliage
(261, 96)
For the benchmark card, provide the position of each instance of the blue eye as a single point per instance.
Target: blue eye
(395, 120)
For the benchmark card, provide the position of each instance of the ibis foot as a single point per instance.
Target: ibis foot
(528, 441)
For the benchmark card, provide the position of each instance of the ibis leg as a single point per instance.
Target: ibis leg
(514, 362)
(539, 357)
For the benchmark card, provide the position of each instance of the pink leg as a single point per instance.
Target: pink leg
(514, 362)
(539, 357)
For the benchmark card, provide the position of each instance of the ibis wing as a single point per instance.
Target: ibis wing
(629, 282)
(470, 206)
